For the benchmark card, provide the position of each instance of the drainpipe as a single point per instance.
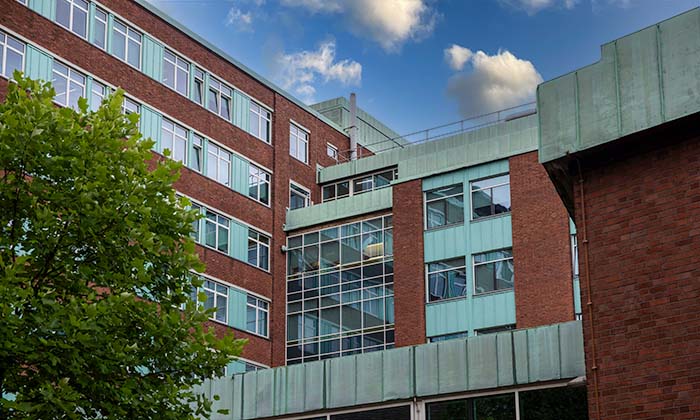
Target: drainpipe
(587, 278)
(353, 126)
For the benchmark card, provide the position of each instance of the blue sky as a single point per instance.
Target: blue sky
(415, 64)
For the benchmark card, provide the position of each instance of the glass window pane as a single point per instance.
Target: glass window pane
(501, 199)
(63, 13)
(455, 210)
(490, 182)
(554, 404)
(444, 192)
(350, 250)
(485, 278)
(481, 203)
(330, 254)
(436, 214)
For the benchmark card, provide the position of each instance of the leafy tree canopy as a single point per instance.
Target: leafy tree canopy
(89, 225)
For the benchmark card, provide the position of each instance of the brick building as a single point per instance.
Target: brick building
(382, 287)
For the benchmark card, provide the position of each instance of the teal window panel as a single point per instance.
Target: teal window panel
(442, 244)
(492, 310)
(239, 241)
(241, 110)
(544, 364)
(452, 366)
(482, 352)
(447, 317)
(152, 57)
(577, 295)
(237, 309)
(151, 122)
(490, 234)
(314, 377)
(46, 8)
(369, 375)
(426, 362)
(37, 64)
(341, 371)
(241, 171)
(397, 366)
(235, 367)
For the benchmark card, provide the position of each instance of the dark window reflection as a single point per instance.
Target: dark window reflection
(394, 413)
(554, 404)
(498, 407)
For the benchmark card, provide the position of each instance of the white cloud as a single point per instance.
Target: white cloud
(389, 22)
(299, 71)
(242, 21)
(533, 6)
(495, 82)
(456, 56)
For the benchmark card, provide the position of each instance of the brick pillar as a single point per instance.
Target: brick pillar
(409, 278)
(541, 246)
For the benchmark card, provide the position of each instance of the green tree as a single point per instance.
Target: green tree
(89, 226)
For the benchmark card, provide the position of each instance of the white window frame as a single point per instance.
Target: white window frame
(426, 201)
(130, 106)
(475, 264)
(198, 144)
(199, 84)
(72, 5)
(221, 91)
(103, 21)
(129, 33)
(258, 309)
(332, 151)
(71, 77)
(98, 92)
(218, 225)
(217, 295)
(491, 187)
(259, 177)
(263, 117)
(4, 41)
(255, 236)
(428, 273)
(302, 191)
(215, 156)
(179, 136)
(181, 69)
(297, 136)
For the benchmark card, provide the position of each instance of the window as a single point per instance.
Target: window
(447, 279)
(198, 93)
(332, 151)
(256, 315)
(298, 196)
(217, 298)
(259, 185)
(494, 330)
(359, 185)
(126, 44)
(490, 196)
(336, 191)
(68, 84)
(298, 143)
(219, 164)
(216, 228)
(260, 122)
(129, 107)
(495, 407)
(493, 271)
(99, 29)
(446, 337)
(574, 255)
(197, 152)
(97, 94)
(11, 55)
(196, 223)
(220, 98)
(176, 72)
(258, 249)
(444, 206)
(73, 14)
(174, 138)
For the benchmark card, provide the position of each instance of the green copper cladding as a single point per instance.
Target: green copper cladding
(520, 357)
(642, 80)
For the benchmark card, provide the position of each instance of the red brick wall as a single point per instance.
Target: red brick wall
(643, 222)
(409, 277)
(541, 246)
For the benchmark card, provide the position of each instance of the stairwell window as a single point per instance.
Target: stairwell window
(258, 249)
(126, 44)
(256, 315)
(447, 279)
(176, 72)
(444, 206)
(73, 15)
(260, 119)
(174, 138)
(68, 84)
(493, 271)
(11, 55)
(490, 196)
(298, 143)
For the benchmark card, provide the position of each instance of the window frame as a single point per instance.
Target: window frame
(4, 37)
(72, 5)
(305, 192)
(261, 177)
(256, 237)
(130, 103)
(217, 226)
(196, 86)
(427, 279)
(219, 94)
(475, 264)
(69, 80)
(332, 151)
(95, 104)
(105, 23)
(258, 309)
(198, 147)
(491, 187)
(216, 295)
(179, 65)
(295, 138)
(127, 33)
(173, 131)
(425, 207)
(218, 157)
(263, 116)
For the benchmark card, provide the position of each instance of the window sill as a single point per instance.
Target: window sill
(452, 299)
(495, 216)
(495, 292)
(443, 227)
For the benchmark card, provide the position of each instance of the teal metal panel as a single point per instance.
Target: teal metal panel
(577, 295)
(295, 386)
(370, 377)
(426, 362)
(397, 366)
(224, 389)
(37, 64)
(237, 308)
(570, 341)
(557, 112)
(482, 353)
(241, 171)
(46, 8)
(279, 395)
(492, 310)
(341, 382)
(490, 234)
(241, 110)
(506, 362)
(339, 209)
(447, 317)
(445, 243)
(520, 350)
(315, 378)
(544, 365)
(151, 125)
(235, 367)
(452, 366)
(237, 398)
(239, 241)
(152, 58)
(250, 395)
(265, 393)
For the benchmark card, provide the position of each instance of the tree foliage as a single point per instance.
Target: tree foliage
(88, 228)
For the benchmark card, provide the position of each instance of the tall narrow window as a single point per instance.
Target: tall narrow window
(97, 94)
(259, 185)
(174, 138)
(11, 55)
(196, 223)
(197, 152)
(216, 228)
(176, 72)
(198, 87)
(218, 164)
(258, 249)
(73, 15)
(126, 44)
(490, 196)
(493, 271)
(256, 315)
(129, 106)
(220, 98)
(332, 151)
(298, 197)
(99, 29)
(298, 143)
(444, 206)
(260, 122)
(447, 279)
(68, 84)
(217, 299)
